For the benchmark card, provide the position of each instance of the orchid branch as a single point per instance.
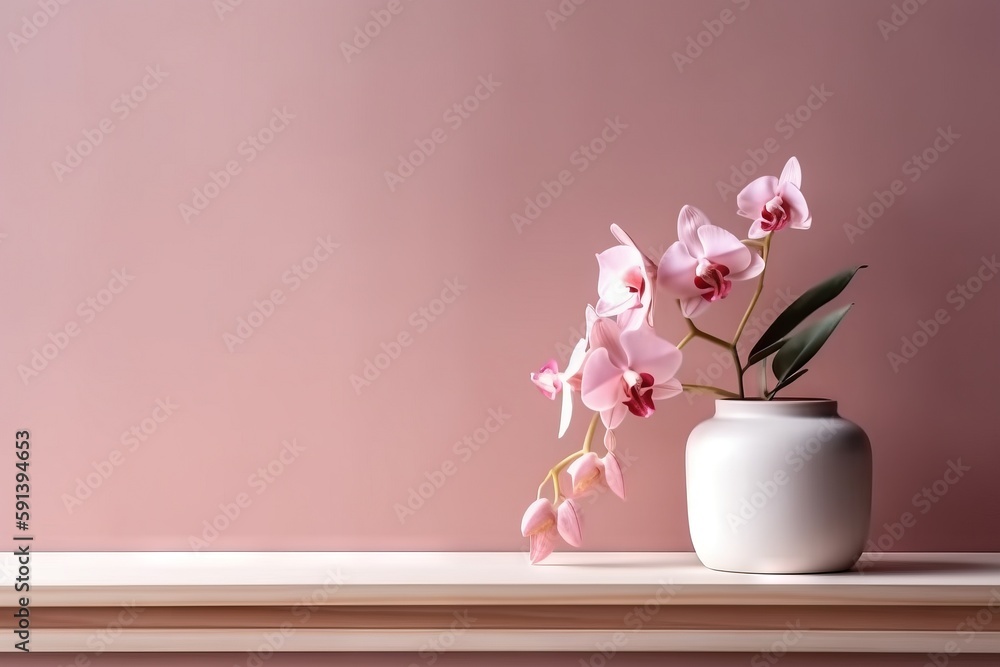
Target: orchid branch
(695, 332)
(557, 469)
(707, 389)
(764, 248)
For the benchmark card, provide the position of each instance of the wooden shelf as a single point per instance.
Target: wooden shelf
(413, 601)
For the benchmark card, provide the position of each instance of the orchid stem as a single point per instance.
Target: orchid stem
(554, 472)
(695, 332)
(590, 432)
(764, 248)
(707, 389)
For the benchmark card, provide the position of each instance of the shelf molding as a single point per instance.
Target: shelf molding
(496, 601)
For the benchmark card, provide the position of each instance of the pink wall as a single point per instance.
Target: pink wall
(500, 660)
(197, 83)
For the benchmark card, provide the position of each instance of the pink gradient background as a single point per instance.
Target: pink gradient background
(323, 175)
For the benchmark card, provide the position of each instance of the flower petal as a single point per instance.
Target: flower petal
(613, 475)
(676, 271)
(622, 278)
(688, 222)
(567, 412)
(591, 316)
(722, 247)
(605, 333)
(633, 318)
(668, 389)
(536, 516)
(622, 236)
(576, 358)
(756, 231)
(602, 386)
(752, 271)
(583, 469)
(798, 209)
(541, 547)
(792, 173)
(610, 441)
(613, 417)
(752, 198)
(615, 303)
(548, 380)
(569, 523)
(648, 353)
(693, 306)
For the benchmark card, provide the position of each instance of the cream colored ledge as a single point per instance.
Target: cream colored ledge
(434, 601)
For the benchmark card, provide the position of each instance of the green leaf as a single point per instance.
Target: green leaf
(799, 310)
(792, 378)
(759, 355)
(801, 347)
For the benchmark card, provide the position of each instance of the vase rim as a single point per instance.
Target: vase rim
(792, 407)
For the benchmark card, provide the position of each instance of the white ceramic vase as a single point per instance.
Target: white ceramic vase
(778, 487)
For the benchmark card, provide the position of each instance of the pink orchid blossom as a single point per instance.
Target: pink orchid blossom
(701, 267)
(543, 525)
(589, 471)
(626, 283)
(775, 203)
(626, 371)
(550, 381)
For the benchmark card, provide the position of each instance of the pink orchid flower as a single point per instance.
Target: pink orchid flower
(701, 267)
(626, 283)
(550, 381)
(626, 371)
(775, 203)
(589, 471)
(543, 525)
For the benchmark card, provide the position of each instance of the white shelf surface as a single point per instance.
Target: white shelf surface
(406, 601)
